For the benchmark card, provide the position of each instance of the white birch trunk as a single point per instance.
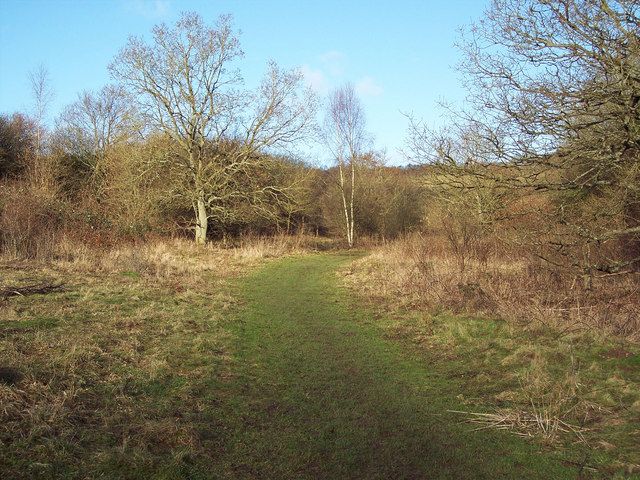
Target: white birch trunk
(202, 221)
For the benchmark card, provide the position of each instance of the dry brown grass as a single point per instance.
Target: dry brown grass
(419, 271)
(109, 372)
(89, 362)
(538, 354)
(523, 423)
(544, 405)
(160, 257)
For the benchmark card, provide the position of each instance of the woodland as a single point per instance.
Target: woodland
(149, 234)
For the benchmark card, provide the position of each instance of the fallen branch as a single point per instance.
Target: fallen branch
(35, 288)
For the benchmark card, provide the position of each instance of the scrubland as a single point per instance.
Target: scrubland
(504, 256)
(538, 354)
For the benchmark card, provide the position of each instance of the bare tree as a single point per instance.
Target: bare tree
(41, 167)
(187, 86)
(97, 121)
(86, 133)
(554, 96)
(43, 95)
(346, 138)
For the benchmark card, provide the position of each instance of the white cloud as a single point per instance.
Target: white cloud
(334, 62)
(315, 79)
(152, 9)
(367, 87)
(331, 72)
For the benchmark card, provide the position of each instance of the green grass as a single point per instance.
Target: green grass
(512, 369)
(498, 367)
(114, 372)
(319, 392)
(279, 374)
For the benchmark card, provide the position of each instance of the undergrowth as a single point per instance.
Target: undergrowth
(110, 377)
(574, 389)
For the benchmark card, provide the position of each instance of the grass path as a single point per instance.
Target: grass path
(315, 390)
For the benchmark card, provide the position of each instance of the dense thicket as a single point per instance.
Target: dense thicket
(553, 115)
(179, 145)
(16, 143)
(116, 187)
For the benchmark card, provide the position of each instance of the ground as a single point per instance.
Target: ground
(276, 371)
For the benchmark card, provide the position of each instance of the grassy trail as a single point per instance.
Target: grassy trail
(317, 391)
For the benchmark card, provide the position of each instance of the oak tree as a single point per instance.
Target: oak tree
(186, 84)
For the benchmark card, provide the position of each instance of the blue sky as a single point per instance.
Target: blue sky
(399, 54)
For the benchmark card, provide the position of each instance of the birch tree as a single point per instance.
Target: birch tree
(42, 92)
(42, 97)
(346, 138)
(187, 84)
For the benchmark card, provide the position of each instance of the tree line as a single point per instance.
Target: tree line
(543, 156)
(178, 143)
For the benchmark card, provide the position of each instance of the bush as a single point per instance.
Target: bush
(30, 221)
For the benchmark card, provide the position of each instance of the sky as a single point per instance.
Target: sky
(399, 55)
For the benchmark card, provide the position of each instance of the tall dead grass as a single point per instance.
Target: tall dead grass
(30, 220)
(158, 258)
(423, 271)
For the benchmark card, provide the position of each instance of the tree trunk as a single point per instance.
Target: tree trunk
(353, 190)
(202, 221)
(347, 218)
